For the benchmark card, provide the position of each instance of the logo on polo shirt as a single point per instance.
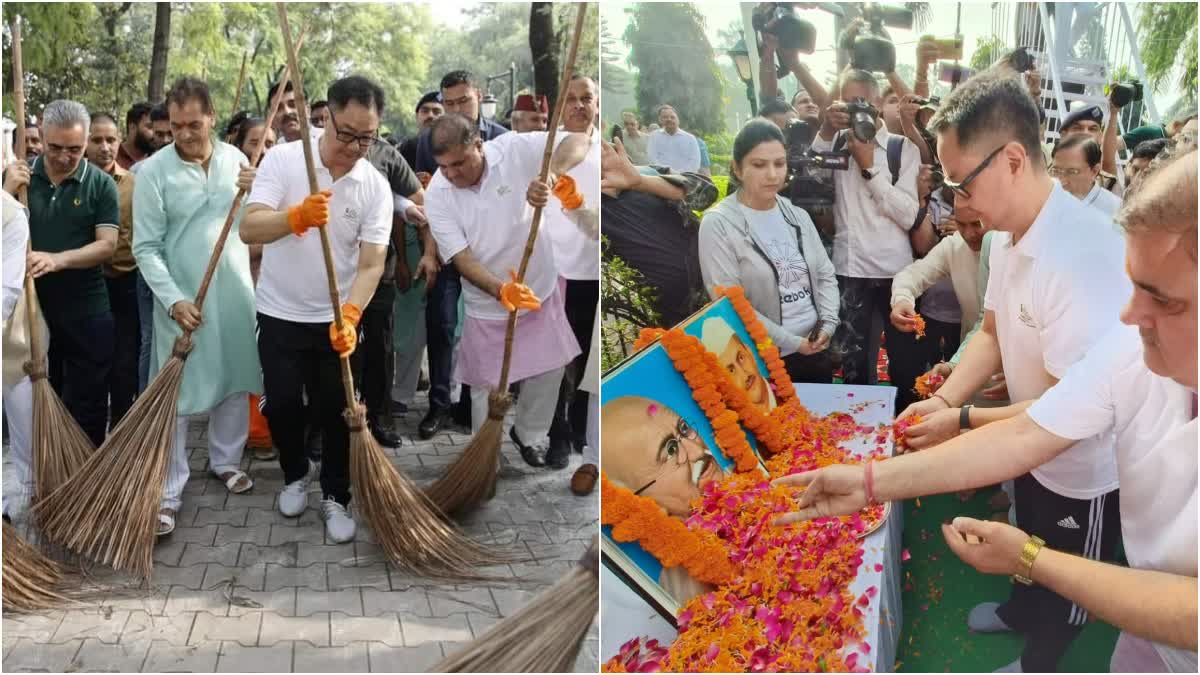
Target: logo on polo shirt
(503, 190)
(1026, 318)
(78, 201)
(351, 214)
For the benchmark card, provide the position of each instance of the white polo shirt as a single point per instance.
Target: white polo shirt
(1103, 200)
(493, 218)
(576, 254)
(1055, 294)
(292, 285)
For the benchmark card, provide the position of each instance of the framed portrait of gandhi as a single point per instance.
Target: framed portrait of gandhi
(658, 443)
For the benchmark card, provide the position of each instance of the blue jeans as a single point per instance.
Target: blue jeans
(441, 320)
(145, 301)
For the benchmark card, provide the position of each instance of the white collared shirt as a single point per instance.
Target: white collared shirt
(292, 284)
(1055, 294)
(576, 254)
(679, 150)
(873, 217)
(1103, 201)
(493, 218)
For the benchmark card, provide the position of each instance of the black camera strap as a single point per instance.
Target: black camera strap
(895, 149)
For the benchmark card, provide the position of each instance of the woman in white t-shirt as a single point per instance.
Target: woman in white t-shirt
(761, 242)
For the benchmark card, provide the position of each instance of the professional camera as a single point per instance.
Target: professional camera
(806, 189)
(782, 21)
(862, 119)
(872, 49)
(1124, 93)
(1020, 60)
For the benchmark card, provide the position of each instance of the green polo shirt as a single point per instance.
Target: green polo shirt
(65, 217)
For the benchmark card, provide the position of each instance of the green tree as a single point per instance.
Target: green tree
(675, 64)
(1167, 39)
(987, 52)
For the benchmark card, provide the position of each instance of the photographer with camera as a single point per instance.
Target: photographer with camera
(785, 35)
(875, 208)
(760, 241)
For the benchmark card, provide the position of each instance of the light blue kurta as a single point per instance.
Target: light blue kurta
(178, 212)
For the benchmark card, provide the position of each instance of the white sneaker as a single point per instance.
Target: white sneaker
(293, 498)
(339, 525)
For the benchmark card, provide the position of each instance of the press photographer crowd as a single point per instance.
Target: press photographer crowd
(1029, 272)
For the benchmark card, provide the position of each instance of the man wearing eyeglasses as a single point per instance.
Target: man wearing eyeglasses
(459, 95)
(298, 342)
(1055, 289)
(874, 210)
(74, 211)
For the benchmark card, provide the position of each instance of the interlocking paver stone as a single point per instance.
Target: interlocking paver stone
(238, 659)
(239, 587)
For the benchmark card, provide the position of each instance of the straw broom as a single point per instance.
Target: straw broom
(471, 478)
(29, 577)
(545, 635)
(59, 446)
(109, 510)
(408, 527)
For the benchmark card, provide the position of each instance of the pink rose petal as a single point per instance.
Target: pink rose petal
(905, 555)
(878, 567)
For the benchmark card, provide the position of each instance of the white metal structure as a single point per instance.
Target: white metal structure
(1076, 46)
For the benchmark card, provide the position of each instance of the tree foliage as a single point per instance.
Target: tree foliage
(987, 52)
(69, 50)
(1167, 39)
(675, 65)
(99, 53)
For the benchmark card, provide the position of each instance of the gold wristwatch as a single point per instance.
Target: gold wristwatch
(1028, 554)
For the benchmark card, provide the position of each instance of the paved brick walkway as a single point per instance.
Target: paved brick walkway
(240, 588)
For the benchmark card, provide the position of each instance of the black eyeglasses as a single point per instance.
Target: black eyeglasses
(672, 449)
(961, 188)
(346, 137)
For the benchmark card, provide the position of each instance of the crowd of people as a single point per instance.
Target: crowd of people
(957, 238)
(426, 234)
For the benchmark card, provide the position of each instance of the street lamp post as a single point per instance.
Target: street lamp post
(741, 62)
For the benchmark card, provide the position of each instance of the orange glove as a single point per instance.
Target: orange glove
(312, 212)
(345, 340)
(564, 189)
(514, 295)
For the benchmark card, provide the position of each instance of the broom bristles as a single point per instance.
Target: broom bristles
(544, 636)
(60, 447)
(471, 479)
(30, 578)
(108, 511)
(408, 526)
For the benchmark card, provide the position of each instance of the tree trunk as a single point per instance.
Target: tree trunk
(544, 48)
(158, 56)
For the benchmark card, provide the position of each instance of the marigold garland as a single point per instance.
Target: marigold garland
(781, 382)
(647, 337)
(669, 540)
(919, 321)
(688, 356)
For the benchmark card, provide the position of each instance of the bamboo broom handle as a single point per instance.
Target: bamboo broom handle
(237, 93)
(276, 104)
(335, 297)
(31, 323)
(559, 105)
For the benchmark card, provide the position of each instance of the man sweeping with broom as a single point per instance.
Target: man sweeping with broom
(299, 346)
(180, 203)
(477, 209)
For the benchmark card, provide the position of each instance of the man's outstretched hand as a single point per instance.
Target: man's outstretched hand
(838, 490)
